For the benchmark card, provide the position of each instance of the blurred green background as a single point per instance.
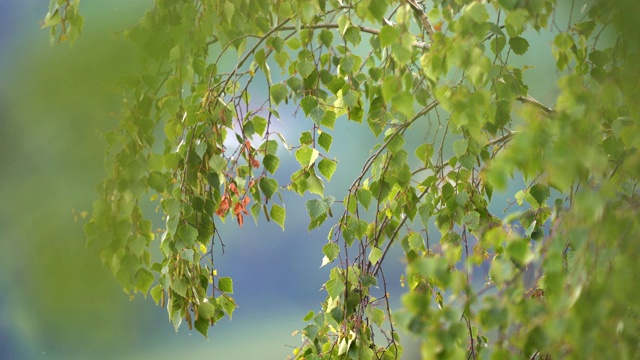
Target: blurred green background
(56, 299)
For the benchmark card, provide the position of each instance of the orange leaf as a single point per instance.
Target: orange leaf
(233, 188)
(224, 206)
(238, 208)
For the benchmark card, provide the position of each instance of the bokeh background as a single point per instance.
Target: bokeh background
(56, 299)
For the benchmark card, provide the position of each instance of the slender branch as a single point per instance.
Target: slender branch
(418, 44)
(530, 100)
(426, 24)
(502, 138)
(253, 48)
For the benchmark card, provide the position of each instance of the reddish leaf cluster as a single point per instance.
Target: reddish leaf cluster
(239, 208)
(252, 160)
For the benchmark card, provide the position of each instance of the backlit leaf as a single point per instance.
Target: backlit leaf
(374, 255)
(306, 156)
(278, 93)
(364, 197)
(325, 141)
(225, 284)
(331, 251)
(271, 163)
(278, 214)
(327, 168)
(268, 187)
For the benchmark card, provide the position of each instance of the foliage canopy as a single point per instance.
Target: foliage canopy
(198, 135)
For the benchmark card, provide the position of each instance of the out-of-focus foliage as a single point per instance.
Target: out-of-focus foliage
(198, 138)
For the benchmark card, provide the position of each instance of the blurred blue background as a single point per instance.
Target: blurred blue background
(56, 299)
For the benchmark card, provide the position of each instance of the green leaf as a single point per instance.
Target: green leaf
(498, 43)
(519, 45)
(188, 234)
(329, 119)
(179, 286)
(343, 23)
(347, 64)
(271, 163)
(327, 168)
(51, 19)
(318, 207)
(156, 293)
(352, 35)
(278, 214)
(144, 280)
(206, 310)
(268, 187)
(416, 242)
(228, 305)
(375, 255)
(202, 326)
(225, 284)
(309, 316)
(403, 102)
(518, 249)
(377, 316)
(515, 21)
(378, 8)
(308, 9)
(460, 147)
(477, 12)
(293, 43)
(317, 115)
(306, 156)
(335, 287)
(508, 4)
(396, 143)
(305, 67)
(391, 85)
(467, 161)
(331, 251)
(364, 197)
(277, 43)
(259, 125)
(349, 98)
(388, 35)
(217, 163)
(425, 214)
(278, 93)
(326, 38)
(540, 193)
(325, 141)
(229, 9)
(471, 220)
(424, 153)
(403, 50)
(305, 138)
(315, 184)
